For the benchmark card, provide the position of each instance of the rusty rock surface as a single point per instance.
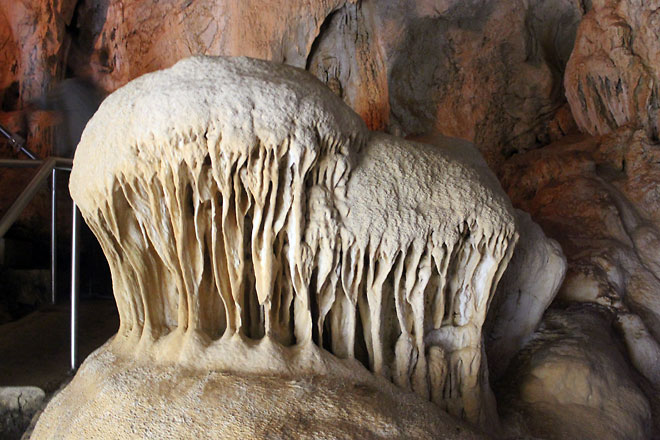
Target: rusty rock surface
(599, 198)
(35, 46)
(612, 76)
(486, 71)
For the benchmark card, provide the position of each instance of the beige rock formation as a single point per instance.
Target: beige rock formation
(610, 240)
(643, 349)
(116, 398)
(527, 288)
(573, 382)
(252, 222)
(612, 76)
(484, 70)
(597, 196)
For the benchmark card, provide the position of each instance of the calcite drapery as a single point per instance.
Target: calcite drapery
(250, 219)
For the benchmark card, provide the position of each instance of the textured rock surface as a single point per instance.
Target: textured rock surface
(598, 197)
(612, 76)
(610, 240)
(497, 86)
(17, 406)
(483, 70)
(527, 288)
(35, 45)
(572, 381)
(115, 399)
(273, 224)
(116, 52)
(643, 349)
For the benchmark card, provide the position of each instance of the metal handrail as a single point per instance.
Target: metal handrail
(20, 163)
(63, 163)
(31, 189)
(49, 167)
(17, 142)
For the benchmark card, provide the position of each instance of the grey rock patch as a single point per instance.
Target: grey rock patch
(17, 407)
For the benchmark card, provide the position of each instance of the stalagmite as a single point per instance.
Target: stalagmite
(254, 226)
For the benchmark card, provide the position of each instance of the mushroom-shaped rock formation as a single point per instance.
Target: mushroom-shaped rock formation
(271, 257)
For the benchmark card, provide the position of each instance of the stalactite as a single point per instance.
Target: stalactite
(260, 208)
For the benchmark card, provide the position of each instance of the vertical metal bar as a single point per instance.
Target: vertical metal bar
(53, 237)
(75, 251)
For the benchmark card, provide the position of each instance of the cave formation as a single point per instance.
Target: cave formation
(266, 240)
(250, 219)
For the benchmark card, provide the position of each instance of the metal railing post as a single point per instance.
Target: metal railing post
(26, 196)
(53, 238)
(46, 168)
(75, 250)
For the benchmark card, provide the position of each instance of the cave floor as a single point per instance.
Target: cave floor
(34, 350)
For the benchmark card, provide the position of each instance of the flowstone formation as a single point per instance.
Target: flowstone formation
(271, 256)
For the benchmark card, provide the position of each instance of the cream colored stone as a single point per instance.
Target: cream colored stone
(445, 256)
(572, 382)
(111, 398)
(528, 286)
(250, 221)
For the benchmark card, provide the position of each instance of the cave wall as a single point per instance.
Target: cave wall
(559, 96)
(486, 71)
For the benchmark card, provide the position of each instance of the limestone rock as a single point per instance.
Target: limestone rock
(35, 45)
(484, 70)
(643, 349)
(348, 57)
(443, 282)
(612, 76)
(597, 196)
(17, 406)
(120, 41)
(253, 225)
(609, 240)
(115, 399)
(527, 288)
(572, 382)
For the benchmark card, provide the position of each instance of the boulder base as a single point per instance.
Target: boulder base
(114, 398)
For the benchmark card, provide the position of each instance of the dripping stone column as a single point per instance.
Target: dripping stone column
(277, 267)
